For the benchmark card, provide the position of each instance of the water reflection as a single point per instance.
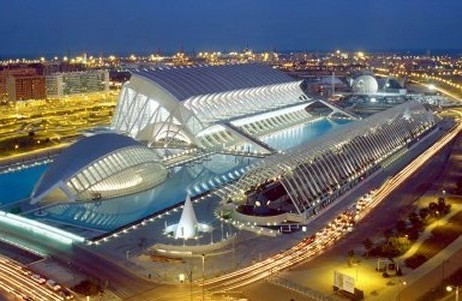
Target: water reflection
(194, 178)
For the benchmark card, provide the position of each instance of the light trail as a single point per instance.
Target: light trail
(311, 247)
(17, 280)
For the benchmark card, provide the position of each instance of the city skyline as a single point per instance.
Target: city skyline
(53, 28)
(230, 150)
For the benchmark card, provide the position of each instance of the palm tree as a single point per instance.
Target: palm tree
(368, 244)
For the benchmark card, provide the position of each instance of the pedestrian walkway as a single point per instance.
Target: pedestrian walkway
(427, 233)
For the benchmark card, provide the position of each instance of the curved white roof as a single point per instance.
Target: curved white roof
(123, 153)
(185, 82)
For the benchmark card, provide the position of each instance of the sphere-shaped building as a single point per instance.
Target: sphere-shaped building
(365, 84)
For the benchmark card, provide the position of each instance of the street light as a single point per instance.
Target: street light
(403, 283)
(444, 262)
(203, 276)
(450, 288)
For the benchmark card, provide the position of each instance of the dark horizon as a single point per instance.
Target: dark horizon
(49, 28)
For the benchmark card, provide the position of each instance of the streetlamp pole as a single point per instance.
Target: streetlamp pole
(190, 285)
(449, 288)
(444, 263)
(400, 283)
(203, 276)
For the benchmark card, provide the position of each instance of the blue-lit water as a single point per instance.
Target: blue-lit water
(113, 213)
(194, 178)
(15, 186)
(303, 133)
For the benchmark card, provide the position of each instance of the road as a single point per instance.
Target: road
(311, 247)
(17, 281)
(120, 280)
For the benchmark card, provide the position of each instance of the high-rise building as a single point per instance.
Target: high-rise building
(7, 72)
(24, 87)
(59, 84)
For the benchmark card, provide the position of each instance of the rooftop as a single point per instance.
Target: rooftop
(81, 154)
(185, 82)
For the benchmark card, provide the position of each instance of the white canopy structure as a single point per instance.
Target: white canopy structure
(312, 176)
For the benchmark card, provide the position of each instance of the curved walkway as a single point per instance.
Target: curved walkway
(427, 233)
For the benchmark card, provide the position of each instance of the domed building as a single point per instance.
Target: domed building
(365, 84)
(99, 167)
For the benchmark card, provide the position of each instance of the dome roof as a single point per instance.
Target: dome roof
(90, 162)
(365, 84)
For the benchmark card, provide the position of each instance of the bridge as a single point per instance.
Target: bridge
(335, 109)
(264, 147)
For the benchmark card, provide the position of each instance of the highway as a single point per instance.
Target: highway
(17, 281)
(119, 279)
(313, 246)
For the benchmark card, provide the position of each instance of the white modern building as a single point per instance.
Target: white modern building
(209, 106)
(365, 84)
(305, 180)
(99, 167)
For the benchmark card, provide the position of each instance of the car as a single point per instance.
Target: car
(38, 278)
(53, 285)
(65, 293)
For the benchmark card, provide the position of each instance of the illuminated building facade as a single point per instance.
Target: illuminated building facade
(209, 106)
(304, 180)
(13, 72)
(24, 87)
(99, 167)
(59, 84)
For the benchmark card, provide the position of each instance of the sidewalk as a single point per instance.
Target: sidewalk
(455, 208)
(431, 273)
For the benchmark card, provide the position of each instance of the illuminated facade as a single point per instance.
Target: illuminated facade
(60, 84)
(25, 87)
(306, 179)
(209, 106)
(99, 167)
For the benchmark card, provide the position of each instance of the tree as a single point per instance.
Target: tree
(441, 201)
(387, 233)
(401, 226)
(433, 207)
(414, 219)
(351, 253)
(424, 213)
(368, 244)
(88, 287)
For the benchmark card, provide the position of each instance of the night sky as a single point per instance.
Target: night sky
(49, 27)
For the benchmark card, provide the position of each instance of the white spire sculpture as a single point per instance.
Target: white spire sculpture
(187, 226)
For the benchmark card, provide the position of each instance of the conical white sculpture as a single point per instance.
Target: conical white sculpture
(187, 226)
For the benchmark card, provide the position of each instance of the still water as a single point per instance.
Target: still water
(194, 178)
